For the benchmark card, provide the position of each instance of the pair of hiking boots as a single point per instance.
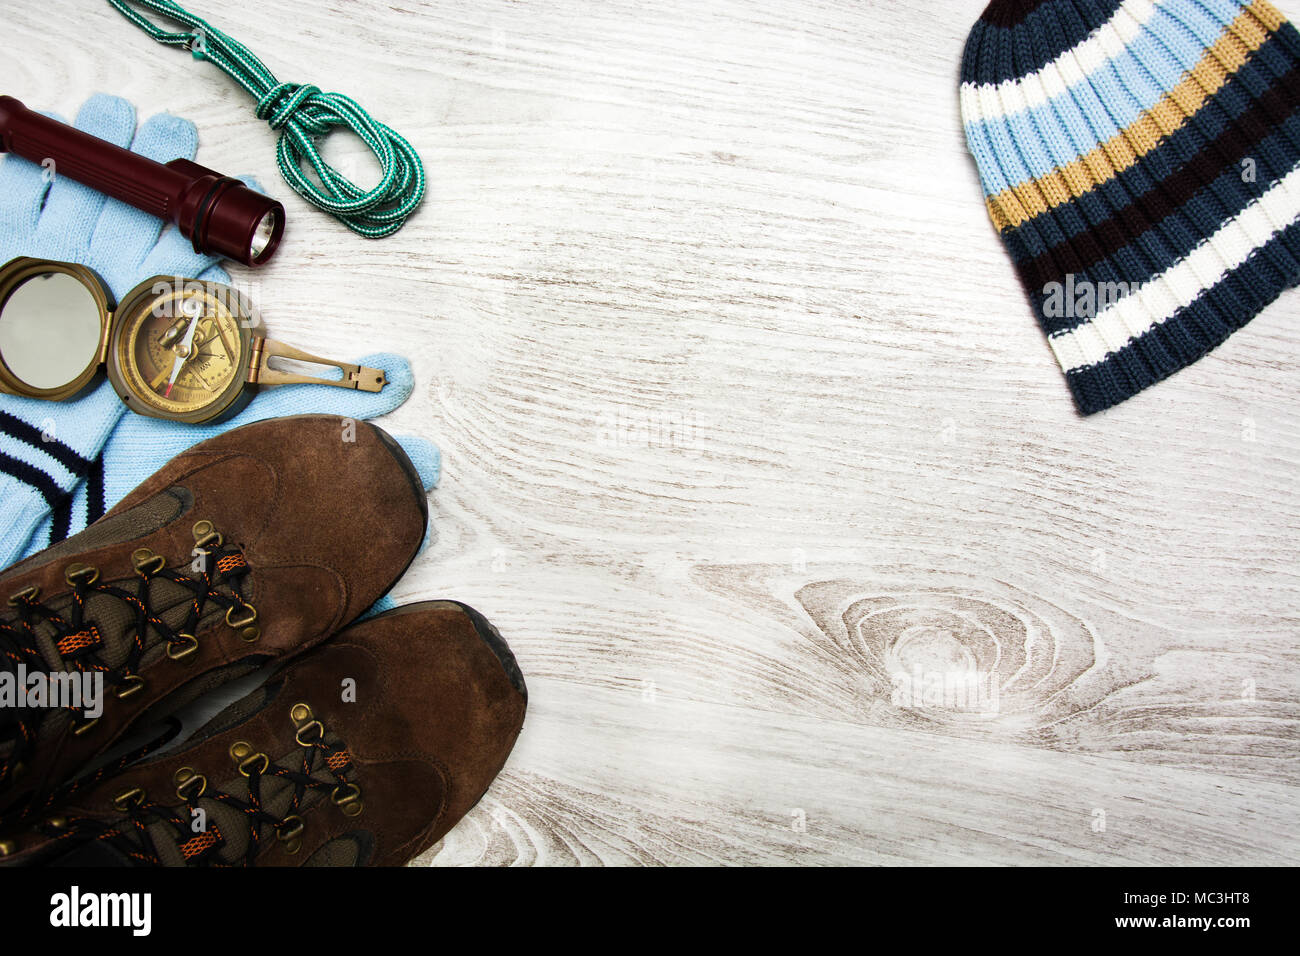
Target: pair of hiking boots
(251, 553)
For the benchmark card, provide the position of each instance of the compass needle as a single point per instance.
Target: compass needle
(184, 350)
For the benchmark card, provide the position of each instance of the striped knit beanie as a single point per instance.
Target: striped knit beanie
(1141, 161)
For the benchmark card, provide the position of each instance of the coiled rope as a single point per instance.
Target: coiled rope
(302, 114)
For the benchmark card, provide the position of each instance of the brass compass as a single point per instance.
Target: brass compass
(174, 348)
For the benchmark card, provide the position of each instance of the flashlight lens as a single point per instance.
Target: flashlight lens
(262, 236)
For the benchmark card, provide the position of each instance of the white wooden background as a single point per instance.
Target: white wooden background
(743, 411)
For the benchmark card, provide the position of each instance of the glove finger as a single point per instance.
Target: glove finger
(71, 209)
(425, 457)
(382, 606)
(215, 273)
(174, 255)
(427, 460)
(23, 186)
(124, 235)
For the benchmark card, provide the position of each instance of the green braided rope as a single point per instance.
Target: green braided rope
(302, 114)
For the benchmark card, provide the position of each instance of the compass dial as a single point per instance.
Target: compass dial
(181, 350)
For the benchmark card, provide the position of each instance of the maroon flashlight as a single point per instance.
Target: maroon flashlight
(220, 215)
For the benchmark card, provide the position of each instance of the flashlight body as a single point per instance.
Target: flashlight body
(219, 215)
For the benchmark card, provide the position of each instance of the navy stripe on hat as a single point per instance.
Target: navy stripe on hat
(1051, 27)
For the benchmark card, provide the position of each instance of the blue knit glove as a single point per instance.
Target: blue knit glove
(50, 447)
(139, 445)
(63, 464)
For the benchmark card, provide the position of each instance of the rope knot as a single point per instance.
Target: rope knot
(303, 115)
(279, 104)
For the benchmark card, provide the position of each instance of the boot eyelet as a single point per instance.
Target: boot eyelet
(250, 634)
(183, 649)
(57, 823)
(27, 595)
(347, 797)
(246, 765)
(131, 685)
(82, 574)
(8, 847)
(186, 779)
(206, 533)
(85, 726)
(315, 725)
(128, 798)
(248, 615)
(242, 753)
(289, 832)
(146, 562)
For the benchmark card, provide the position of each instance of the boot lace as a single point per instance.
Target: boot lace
(214, 578)
(322, 766)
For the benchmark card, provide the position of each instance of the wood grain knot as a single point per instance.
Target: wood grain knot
(954, 657)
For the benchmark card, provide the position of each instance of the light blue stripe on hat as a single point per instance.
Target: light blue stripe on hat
(1113, 96)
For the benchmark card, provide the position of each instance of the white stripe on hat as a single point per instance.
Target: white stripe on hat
(988, 101)
(1183, 283)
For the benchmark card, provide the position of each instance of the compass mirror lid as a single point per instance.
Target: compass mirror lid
(53, 320)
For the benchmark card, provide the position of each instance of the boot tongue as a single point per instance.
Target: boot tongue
(115, 620)
(232, 824)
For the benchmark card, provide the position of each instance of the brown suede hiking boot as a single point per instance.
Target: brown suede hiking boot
(250, 547)
(363, 752)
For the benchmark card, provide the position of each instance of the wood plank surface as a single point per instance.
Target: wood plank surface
(746, 422)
